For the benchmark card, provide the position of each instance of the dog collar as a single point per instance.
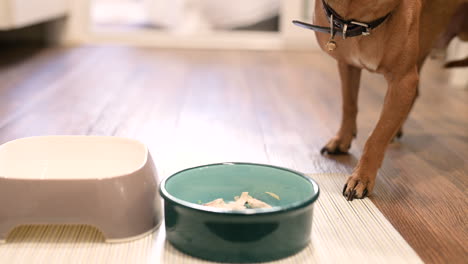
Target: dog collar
(341, 26)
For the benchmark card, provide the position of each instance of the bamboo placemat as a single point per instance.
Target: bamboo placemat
(343, 232)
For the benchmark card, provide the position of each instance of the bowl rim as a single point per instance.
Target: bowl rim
(259, 211)
(147, 159)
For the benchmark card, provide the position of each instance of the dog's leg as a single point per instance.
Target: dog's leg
(399, 134)
(350, 78)
(400, 96)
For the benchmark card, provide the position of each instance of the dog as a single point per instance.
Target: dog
(457, 27)
(390, 37)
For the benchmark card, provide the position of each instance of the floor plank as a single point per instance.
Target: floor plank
(268, 107)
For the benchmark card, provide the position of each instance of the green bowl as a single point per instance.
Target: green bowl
(253, 235)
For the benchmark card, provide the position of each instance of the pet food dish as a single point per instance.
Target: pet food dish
(241, 235)
(106, 182)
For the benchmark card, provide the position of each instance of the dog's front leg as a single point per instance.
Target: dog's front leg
(350, 77)
(402, 90)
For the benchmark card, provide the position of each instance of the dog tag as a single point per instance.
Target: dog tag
(331, 45)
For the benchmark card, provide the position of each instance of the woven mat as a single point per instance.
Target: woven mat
(351, 232)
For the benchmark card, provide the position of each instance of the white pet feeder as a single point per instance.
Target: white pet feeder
(106, 182)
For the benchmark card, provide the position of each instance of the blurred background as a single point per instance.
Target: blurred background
(187, 16)
(243, 24)
(200, 24)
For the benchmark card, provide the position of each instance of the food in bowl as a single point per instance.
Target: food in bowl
(230, 235)
(245, 201)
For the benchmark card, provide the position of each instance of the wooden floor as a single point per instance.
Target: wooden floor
(272, 107)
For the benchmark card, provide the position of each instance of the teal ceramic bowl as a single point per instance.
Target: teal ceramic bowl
(254, 235)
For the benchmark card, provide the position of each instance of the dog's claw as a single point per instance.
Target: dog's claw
(364, 194)
(351, 195)
(399, 134)
(323, 150)
(358, 186)
(338, 145)
(333, 152)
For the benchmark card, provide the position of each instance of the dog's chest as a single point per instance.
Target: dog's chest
(361, 52)
(362, 56)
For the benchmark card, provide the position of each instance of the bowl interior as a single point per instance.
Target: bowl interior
(70, 157)
(203, 184)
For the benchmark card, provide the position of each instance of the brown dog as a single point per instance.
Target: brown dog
(458, 27)
(391, 37)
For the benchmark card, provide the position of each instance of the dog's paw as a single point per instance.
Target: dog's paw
(358, 186)
(337, 146)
